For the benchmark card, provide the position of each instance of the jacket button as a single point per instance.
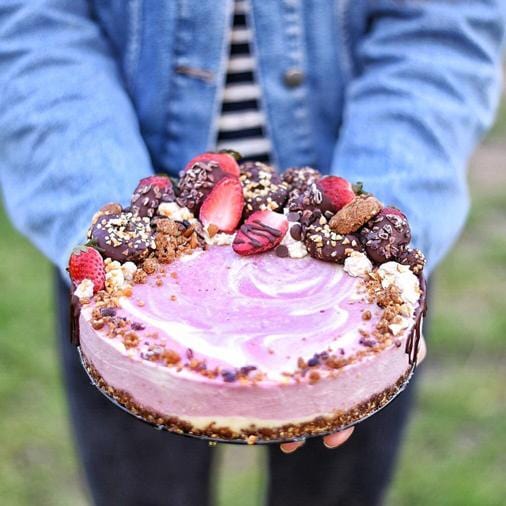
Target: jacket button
(293, 77)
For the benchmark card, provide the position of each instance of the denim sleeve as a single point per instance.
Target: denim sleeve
(69, 137)
(426, 88)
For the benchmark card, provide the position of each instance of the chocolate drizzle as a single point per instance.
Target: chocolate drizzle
(258, 229)
(413, 340)
(75, 312)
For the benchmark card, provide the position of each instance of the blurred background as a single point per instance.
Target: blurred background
(454, 453)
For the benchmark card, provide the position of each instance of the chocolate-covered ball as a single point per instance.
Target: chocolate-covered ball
(414, 258)
(150, 192)
(123, 237)
(262, 188)
(385, 236)
(196, 183)
(325, 244)
(300, 178)
(312, 199)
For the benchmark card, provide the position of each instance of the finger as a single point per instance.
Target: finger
(338, 438)
(422, 351)
(291, 447)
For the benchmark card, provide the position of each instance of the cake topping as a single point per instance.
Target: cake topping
(149, 193)
(414, 258)
(125, 236)
(299, 179)
(263, 188)
(174, 239)
(325, 244)
(357, 264)
(196, 183)
(355, 214)
(226, 159)
(175, 212)
(84, 290)
(85, 263)
(292, 245)
(331, 193)
(324, 217)
(262, 231)
(386, 235)
(223, 206)
(400, 276)
(111, 208)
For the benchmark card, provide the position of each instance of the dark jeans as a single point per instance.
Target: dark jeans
(126, 462)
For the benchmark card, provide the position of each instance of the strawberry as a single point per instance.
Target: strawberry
(150, 192)
(162, 182)
(226, 160)
(86, 263)
(336, 193)
(223, 206)
(262, 231)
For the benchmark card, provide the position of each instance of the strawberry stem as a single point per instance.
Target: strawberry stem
(234, 154)
(358, 187)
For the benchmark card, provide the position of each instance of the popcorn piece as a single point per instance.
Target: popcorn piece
(219, 239)
(128, 269)
(357, 264)
(84, 289)
(111, 265)
(173, 211)
(114, 280)
(401, 276)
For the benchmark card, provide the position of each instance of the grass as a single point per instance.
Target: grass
(454, 450)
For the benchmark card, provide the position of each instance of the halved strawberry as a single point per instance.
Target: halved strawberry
(86, 263)
(262, 231)
(223, 206)
(336, 192)
(225, 160)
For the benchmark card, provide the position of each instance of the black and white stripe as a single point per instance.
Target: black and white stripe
(241, 125)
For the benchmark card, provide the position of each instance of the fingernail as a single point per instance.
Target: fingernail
(291, 447)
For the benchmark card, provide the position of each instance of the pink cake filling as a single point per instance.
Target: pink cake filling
(262, 311)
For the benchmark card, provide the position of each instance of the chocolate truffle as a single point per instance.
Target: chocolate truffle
(385, 236)
(325, 244)
(124, 237)
(149, 194)
(300, 178)
(414, 258)
(196, 183)
(263, 188)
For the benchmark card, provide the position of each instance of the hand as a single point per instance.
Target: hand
(332, 441)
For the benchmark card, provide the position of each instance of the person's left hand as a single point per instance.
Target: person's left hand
(338, 438)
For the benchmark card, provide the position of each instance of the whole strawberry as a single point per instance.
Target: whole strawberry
(86, 263)
(227, 160)
(333, 193)
(150, 192)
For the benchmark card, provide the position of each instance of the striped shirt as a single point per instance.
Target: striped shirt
(241, 125)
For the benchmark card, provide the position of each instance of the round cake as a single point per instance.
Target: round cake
(257, 308)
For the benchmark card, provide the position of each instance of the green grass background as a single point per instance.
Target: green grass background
(455, 449)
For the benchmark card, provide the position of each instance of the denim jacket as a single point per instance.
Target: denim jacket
(97, 94)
